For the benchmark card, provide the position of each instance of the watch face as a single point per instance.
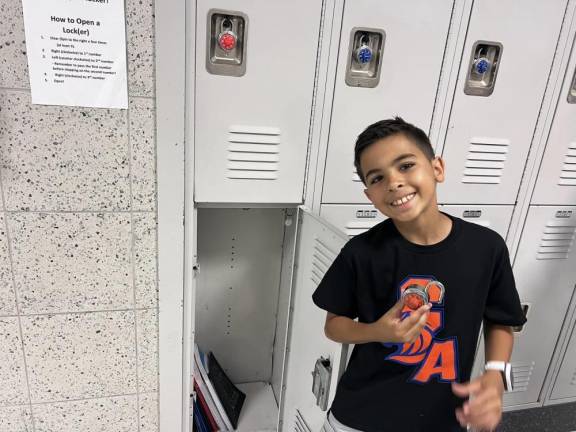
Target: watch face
(509, 377)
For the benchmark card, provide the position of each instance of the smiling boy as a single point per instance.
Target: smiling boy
(410, 368)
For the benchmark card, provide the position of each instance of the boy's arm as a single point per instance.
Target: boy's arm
(484, 411)
(389, 328)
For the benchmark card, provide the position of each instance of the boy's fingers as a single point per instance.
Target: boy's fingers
(416, 318)
(396, 310)
(466, 389)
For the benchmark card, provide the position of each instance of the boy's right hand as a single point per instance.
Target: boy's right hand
(391, 328)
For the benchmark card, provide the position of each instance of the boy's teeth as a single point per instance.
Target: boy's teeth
(403, 200)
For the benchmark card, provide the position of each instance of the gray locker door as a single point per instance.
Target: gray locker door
(488, 137)
(415, 35)
(565, 384)
(493, 217)
(318, 245)
(351, 219)
(251, 131)
(556, 182)
(545, 276)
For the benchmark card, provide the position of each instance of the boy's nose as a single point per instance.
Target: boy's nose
(395, 185)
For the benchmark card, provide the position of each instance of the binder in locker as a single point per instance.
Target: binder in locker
(545, 278)
(255, 69)
(389, 64)
(556, 183)
(503, 75)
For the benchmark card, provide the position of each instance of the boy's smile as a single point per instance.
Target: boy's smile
(401, 180)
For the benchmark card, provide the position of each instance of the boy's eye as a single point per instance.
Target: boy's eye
(406, 166)
(375, 179)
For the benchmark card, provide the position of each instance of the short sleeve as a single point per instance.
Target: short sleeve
(336, 292)
(503, 303)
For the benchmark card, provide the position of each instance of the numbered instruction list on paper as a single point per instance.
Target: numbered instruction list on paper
(77, 52)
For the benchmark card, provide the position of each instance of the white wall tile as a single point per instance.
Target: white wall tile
(75, 356)
(62, 158)
(69, 262)
(140, 40)
(15, 419)
(149, 412)
(13, 390)
(147, 322)
(142, 122)
(7, 298)
(13, 61)
(117, 414)
(145, 260)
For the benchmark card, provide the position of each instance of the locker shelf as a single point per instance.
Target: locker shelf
(260, 411)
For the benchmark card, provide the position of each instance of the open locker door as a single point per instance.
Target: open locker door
(314, 363)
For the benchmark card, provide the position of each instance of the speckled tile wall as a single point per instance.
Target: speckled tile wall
(78, 290)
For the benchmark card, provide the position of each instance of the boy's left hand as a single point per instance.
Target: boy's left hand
(484, 410)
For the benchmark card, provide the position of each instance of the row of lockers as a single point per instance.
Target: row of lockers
(256, 94)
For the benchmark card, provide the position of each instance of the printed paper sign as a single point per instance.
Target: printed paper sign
(77, 52)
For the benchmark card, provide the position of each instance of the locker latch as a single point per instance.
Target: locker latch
(572, 91)
(483, 68)
(321, 382)
(226, 42)
(365, 57)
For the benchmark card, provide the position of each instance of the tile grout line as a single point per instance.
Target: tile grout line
(28, 90)
(80, 312)
(17, 304)
(61, 401)
(76, 211)
(133, 264)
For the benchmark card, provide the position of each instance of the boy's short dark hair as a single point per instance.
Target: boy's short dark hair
(386, 128)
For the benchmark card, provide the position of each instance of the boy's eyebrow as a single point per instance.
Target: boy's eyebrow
(395, 161)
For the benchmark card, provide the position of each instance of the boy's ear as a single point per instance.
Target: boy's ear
(439, 168)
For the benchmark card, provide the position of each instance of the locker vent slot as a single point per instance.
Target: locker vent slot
(568, 174)
(557, 240)
(322, 258)
(485, 161)
(300, 424)
(355, 176)
(573, 380)
(253, 152)
(353, 228)
(522, 373)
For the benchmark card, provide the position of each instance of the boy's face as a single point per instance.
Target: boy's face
(400, 179)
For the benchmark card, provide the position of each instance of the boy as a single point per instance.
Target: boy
(410, 367)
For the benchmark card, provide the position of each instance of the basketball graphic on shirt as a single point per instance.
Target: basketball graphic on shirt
(436, 358)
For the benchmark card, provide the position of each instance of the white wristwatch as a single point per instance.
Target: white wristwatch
(506, 371)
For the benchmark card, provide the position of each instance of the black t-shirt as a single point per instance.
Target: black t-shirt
(395, 387)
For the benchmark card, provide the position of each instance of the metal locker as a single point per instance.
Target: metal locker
(565, 383)
(255, 66)
(351, 219)
(503, 75)
(402, 47)
(545, 277)
(556, 183)
(356, 219)
(494, 217)
(306, 378)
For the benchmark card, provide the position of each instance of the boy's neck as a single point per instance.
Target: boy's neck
(430, 228)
